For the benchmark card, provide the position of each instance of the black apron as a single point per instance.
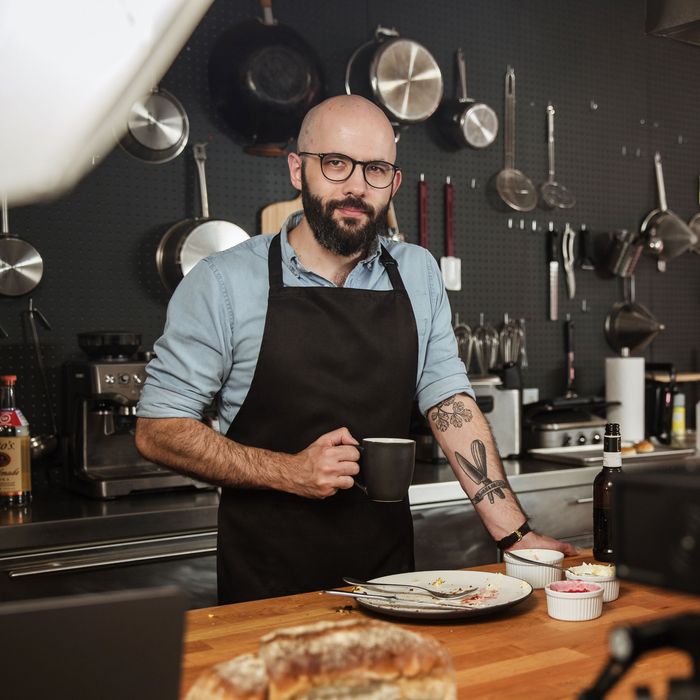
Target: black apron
(330, 357)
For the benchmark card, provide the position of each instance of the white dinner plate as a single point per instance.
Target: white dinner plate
(494, 593)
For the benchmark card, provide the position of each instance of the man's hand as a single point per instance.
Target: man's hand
(535, 541)
(325, 466)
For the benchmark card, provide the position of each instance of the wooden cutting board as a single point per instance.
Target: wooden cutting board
(274, 215)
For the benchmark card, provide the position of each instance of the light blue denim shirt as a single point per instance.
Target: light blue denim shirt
(216, 317)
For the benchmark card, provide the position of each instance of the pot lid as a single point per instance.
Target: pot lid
(407, 80)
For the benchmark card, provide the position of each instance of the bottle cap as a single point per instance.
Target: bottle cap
(612, 429)
(679, 399)
(8, 379)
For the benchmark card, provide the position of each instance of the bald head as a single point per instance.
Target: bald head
(348, 124)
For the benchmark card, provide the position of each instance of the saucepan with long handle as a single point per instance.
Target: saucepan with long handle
(185, 243)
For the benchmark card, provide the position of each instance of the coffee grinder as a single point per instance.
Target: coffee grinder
(100, 455)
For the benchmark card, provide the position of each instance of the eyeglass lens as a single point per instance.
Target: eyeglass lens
(338, 167)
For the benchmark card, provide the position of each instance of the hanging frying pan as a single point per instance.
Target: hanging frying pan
(464, 121)
(400, 75)
(185, 243)
(157, 128)
(263, 79)
(21, 266)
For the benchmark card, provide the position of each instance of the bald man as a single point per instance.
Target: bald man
(310, 340)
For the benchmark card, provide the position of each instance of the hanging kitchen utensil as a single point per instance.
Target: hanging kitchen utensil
(21, 266)
(465, 341)
(274, 215)
(666, 233)
(626, 250)
(157, 128)
(486, 343)
(512, 188)
(586, 259)
(552, 194)
(46, 443)
(464, 121)
(185, 243)
(553, 269)
(423, 212)
(569, 392)
(263, 79)
(630, 324)
(393, 225)
(509, 341)
(694, 225)
(450, 266)
(568, 248)
(523, 344)
(399, 74)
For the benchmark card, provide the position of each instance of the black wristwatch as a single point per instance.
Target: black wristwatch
(516, 536)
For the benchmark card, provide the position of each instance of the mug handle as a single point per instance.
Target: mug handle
(358, 483)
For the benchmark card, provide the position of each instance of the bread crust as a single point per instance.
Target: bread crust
(351, 659)
(644, 446)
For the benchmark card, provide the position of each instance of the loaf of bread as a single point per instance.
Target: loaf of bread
(358, 659)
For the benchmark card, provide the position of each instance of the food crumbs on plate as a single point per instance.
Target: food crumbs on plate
(437, 582)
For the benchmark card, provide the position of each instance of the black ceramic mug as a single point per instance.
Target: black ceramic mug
(386, 468)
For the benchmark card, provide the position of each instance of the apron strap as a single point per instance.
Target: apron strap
(274, 265)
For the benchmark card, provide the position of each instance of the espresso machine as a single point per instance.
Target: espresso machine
(100, 455)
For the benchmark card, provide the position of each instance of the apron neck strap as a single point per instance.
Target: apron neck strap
(274, 264)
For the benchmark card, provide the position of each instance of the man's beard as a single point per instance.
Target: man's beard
(345, 237)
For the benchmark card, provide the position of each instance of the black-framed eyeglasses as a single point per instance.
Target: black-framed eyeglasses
(338, 167)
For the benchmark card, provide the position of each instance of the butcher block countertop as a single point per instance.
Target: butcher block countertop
(519, 653)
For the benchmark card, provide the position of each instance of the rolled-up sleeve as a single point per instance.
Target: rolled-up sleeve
(444, 373)
(194, 354)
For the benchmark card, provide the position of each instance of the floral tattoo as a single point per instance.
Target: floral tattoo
(456, 417)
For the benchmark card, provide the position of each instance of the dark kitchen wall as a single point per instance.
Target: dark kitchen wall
(619, 95)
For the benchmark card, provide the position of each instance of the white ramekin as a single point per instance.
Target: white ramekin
(609, 584)
(574, 607)
(536, 576)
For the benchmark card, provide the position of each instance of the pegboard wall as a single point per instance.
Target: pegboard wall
(619, 96)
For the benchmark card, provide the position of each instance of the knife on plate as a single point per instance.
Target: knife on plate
(389, 598)
(553, 259)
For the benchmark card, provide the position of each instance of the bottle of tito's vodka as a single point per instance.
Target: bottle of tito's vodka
(603, 487)
(15, 465)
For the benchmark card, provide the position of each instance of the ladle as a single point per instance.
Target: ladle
(45, 444)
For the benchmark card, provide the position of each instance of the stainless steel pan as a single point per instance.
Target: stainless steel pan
(185, 243)
(21, 266)
(464, 121)
(157, 128)
(399, 74)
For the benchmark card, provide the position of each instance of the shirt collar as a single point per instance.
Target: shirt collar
(290, 257)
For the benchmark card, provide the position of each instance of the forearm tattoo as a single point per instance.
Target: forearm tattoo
(477, 473)
(451, 412)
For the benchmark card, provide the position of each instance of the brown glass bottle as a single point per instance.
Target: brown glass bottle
(15, 465)
(603, 486)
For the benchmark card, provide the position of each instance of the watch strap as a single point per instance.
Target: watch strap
(515, 536)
